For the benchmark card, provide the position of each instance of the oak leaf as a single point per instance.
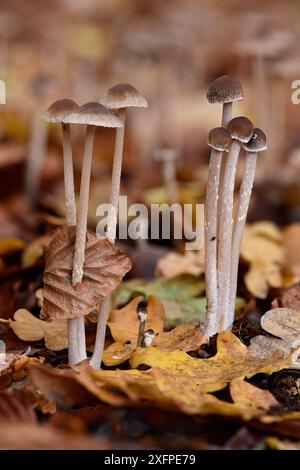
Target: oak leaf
(29, 328)
(104, 267)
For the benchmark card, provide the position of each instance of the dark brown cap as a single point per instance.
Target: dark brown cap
(123, 96)
(257, 143)
(59, 110)
(93, 114)
(225, 89)
(219, 139)
(241, 128)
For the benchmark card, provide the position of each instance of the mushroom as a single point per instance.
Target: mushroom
(119, 97)
(225, 90)
(91, 114)
(142, 317)
(148, 338)
(57, 113)
(256, 144)
(219, 140)
(168, 157)
(241, 130)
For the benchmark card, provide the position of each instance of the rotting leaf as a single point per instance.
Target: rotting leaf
(104, 267)
(29, 328)
(284, 325)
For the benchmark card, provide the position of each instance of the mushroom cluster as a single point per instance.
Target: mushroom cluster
(223, 232)
(92, 115)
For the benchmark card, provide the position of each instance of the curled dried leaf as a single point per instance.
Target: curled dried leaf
(104, 267)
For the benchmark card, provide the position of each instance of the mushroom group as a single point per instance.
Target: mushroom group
(223, 233)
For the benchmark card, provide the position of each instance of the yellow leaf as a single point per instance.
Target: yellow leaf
(9, 245)
(176, 264)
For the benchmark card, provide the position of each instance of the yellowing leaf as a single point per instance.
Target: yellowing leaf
(29, 328)
(232, 360)
(35, 250)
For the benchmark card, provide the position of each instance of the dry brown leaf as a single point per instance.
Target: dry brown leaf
(104, 267)
(29, 328)
(184, 338)
(15, 408)
(288, 298)
(124, 327)
(175, 264)
(13, 367)
(291, 236)
(262, 248)
(232, 360)
(284, 324)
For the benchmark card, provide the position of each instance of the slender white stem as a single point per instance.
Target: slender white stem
(111, 235)
(238, 230)
(225, 230)
(169, 171)
(81, 229)
(211, 216)
(76, 330)
(226, 114)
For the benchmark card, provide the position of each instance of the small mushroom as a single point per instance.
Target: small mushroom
(256, 145)
(142, 317)
(91, 114)
(119, 98)
(241, 130)
(57, 113)
(225, 90)
(148, 338)
(219, 140)
(168, 157)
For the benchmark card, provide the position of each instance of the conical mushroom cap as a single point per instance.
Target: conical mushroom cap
(93, 114)
(225, 89)
(123, 96)
(219, 139)
(241, 128)
(257, 143)
(59, 110)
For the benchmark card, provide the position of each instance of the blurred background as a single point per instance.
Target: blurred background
(170, 51)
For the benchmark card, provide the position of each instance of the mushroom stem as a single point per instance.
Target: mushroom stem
(81, 229)
(226, 113)
(76, 339)
(211, 205)
(238, 230)
(169, 171)
(111, 235)
(225, 230)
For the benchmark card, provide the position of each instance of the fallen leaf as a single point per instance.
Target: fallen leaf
(288, 298)
(183, 337)
(262, 248)
(232, 360)
(176, 264)
(104, 267)
(284, 325)
(291, 235)
(35, 250)
(29, 328)
(15, 408)
(10, 245)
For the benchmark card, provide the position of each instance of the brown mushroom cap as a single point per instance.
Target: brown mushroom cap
(219, 139)
(257, 143)
(225, 89)
(241, 128)
(93, 114)
(59, 110)
(123, 96)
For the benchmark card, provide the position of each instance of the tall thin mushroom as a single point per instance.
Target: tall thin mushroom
(219, 140)
(118, 98)
(92, 115)
(57, 113)
(225, 90)
(256, 145)
(168, 157)
(241, 130)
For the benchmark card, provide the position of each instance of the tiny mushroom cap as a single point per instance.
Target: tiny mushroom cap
(225, 89)
(148, 338)
(59, 110)
(93, 114)
(219, 139)
(123, 96)
(257, 143)
(241, 128)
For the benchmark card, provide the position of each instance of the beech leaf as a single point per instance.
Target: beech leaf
(104, 267)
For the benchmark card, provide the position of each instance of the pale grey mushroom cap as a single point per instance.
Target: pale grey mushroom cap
(241, 128)
(257, 143)
(225, 89)
(59, 110)
(94, 114)
(123, 96)
(219, 139)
